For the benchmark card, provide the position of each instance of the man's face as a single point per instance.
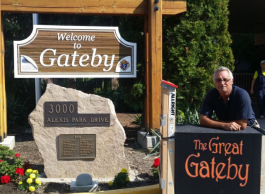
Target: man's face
(223, 82)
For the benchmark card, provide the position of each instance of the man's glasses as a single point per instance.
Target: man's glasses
(219, 80)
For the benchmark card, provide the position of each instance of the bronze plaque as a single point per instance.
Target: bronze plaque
(65, 114)
(77, 146)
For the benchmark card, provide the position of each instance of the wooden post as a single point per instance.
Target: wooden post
(167, 143)
(155, 61)
(4, 83)
(147, 72)
(1, 62)
(3, 122)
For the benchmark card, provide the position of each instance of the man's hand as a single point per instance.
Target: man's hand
(229, 126)
(232, 126)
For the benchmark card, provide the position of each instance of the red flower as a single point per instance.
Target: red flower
(156, 163)
(17, 155)
(5, 179)
(20, 171)
(1, 160)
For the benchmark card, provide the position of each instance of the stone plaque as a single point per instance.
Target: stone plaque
(77, 146)
(65, 114)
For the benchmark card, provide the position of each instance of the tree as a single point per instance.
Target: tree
(195, 44)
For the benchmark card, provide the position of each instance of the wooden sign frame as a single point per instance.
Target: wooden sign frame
(152, 11)
(74, 52)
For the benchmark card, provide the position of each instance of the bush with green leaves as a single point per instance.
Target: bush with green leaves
(195, 44)
(126, 98)
(138, 119)
(17, 112)
(11, 165)
(120, 180)
(134, 99)
(185, 114)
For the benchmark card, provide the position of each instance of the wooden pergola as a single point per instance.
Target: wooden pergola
(152, 10)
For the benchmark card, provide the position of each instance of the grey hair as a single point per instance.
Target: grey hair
(222, 69)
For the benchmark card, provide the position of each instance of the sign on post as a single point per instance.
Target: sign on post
(74, 51)
(167, 130)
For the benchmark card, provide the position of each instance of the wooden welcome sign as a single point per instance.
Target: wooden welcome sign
(74, 51)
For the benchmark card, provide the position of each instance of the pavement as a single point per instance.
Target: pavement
(262, 125)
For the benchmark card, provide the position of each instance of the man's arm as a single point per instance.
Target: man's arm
(252, 86)
(229, 126)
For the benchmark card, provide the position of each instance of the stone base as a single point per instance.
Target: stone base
(86, 188)
(9, 141)
(146, 140)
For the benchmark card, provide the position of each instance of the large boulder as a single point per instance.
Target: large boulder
(110, 157)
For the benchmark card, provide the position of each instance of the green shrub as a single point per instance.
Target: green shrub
(134, 98)
(138, 119)
(120, 180)
(195, 44)
(17, 112)
(10, 165)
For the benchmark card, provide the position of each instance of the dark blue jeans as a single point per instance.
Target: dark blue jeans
(261, 101)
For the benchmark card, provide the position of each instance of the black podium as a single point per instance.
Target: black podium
(212, 161)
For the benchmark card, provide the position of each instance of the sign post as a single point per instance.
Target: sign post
(167, 130)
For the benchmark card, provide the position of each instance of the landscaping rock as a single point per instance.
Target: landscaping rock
(110, 157)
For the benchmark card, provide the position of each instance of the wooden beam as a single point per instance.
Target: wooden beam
(108, 7)
(154, 189)
(173, 7)
(155, 62)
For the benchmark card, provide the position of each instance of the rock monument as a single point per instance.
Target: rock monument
(99, 150)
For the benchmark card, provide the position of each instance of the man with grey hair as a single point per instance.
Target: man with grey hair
(231, 104)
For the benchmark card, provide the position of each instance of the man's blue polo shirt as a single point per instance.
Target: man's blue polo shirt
(238, 106)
